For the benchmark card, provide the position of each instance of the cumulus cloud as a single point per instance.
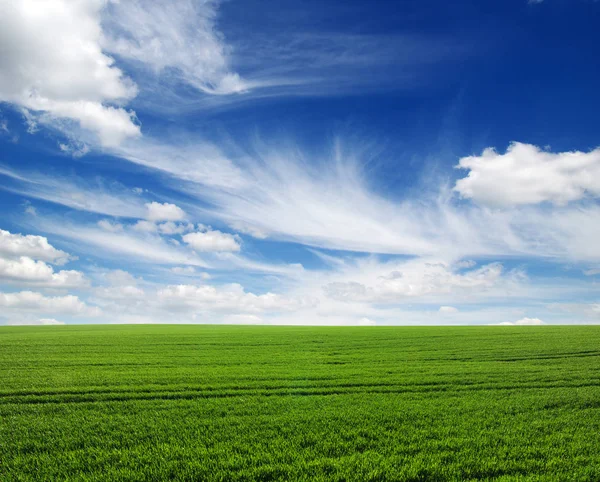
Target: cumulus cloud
(526, 174)
(18, 266)
(120, 292)
(27, 271)
(206, 241)
(55, 66)
(17, 245)
(33, 302)
(164, 212)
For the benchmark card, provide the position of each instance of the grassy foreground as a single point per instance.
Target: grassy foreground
(299, 403)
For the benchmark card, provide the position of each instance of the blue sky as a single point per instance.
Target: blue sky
(310, 163)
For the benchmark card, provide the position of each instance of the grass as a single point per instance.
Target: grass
(129, 403)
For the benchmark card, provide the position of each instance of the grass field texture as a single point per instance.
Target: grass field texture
(233, 403)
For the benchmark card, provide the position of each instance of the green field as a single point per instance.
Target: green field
(299, 403)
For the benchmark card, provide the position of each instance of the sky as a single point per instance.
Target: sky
(316, 162)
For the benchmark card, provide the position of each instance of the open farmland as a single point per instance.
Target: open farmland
(299, 403)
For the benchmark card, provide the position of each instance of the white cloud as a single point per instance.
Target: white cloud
(121, 293)
(170, 228)
(417, 280)
(56, 66)
(50, 321)
(278, 192)
(207, 241)
(588, 310)
(18, 266)
(139, 246)
(145, 226)
(228, 298)
(98, 196)
(298, 58)
(31, 210)
(152, 247)
(280, 195)
(200, 162)
(523, 322)
(187, 303)
(124, 294)
(119, 277)
(567, 233)
(448, 310)
(174, 39)
(164, 212)
(27, 271)
(366, 322)
(32, 302)
(110, 226)
(34, 322)
(243, 320)
(248, 229)
(17, 245)
(184, 270)
(113, 125)
(526, 174)
(74, 147)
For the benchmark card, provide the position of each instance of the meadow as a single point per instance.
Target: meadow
(237, 403)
